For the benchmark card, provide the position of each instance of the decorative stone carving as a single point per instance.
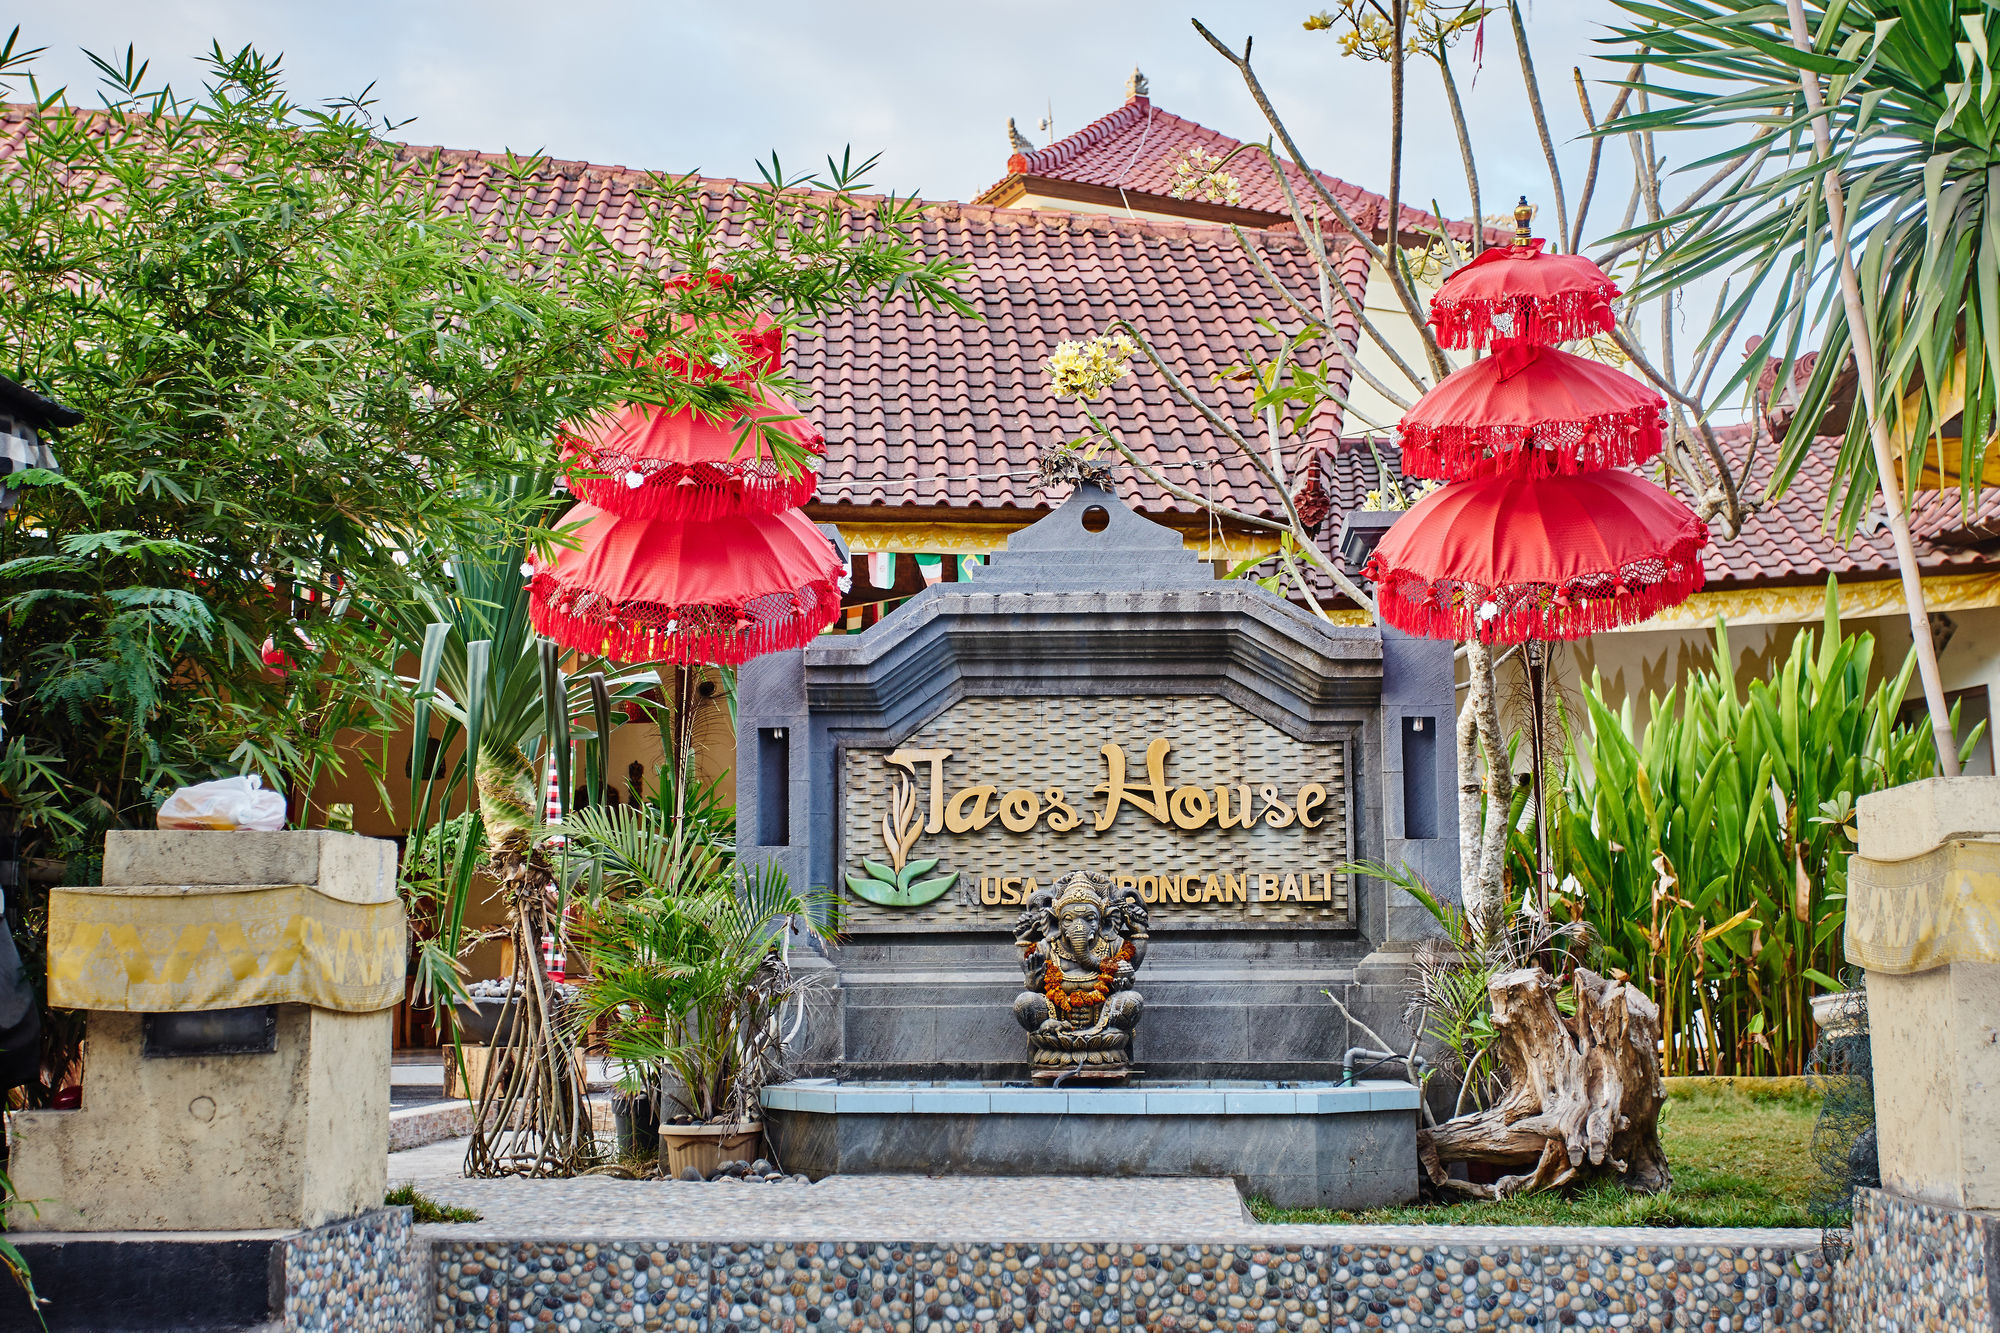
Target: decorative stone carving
(1081, 942)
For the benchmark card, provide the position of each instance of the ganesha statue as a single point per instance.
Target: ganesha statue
(1081, 941)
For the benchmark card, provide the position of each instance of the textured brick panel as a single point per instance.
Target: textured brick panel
(1040, 744)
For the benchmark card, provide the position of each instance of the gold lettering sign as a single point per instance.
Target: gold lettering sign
(1214, 816)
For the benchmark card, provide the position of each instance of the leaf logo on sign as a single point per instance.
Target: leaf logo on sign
(901, 883)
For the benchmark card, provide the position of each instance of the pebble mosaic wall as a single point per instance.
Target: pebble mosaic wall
(1922, 1268)
(364, 1275)
(1569, 1281)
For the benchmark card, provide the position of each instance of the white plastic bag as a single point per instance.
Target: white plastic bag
(227, 803)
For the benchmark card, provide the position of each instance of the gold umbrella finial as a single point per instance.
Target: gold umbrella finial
(1524, 213)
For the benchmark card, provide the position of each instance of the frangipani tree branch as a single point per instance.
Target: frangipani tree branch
(1404, 292)
(1465, 155)
(1292, 527)
(1318, 248)
(1534, 88)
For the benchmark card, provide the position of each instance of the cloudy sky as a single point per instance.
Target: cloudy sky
(716, 86)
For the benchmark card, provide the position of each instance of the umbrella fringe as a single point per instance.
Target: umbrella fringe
(717, 634)
(1559, 317)
(696, 498)
(1547, 449)
(1459, 609)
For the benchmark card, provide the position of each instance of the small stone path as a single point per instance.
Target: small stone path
(950, 1210)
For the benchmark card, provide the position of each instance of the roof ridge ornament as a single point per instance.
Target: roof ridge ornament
(1136, 86)
(1017, 141)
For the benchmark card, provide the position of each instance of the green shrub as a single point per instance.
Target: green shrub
(1710, 854)
(423, 1208)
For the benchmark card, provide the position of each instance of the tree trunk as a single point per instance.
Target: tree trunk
(529, 1112)
(1583, 1094)
(1484, 801)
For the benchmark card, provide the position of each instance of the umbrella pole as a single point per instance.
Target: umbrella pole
(1537, 653)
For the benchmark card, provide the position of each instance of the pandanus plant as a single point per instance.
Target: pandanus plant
(506, 706)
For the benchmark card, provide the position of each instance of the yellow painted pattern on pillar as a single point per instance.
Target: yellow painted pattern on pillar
(183, 951)
(1930, 911)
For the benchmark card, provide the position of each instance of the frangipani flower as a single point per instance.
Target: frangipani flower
(1087, 368)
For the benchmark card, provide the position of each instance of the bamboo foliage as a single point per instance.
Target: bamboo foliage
(1709, 852)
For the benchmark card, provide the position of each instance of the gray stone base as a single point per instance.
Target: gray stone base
(1345, 1148)
(1223, 1006)
(1922, 1267)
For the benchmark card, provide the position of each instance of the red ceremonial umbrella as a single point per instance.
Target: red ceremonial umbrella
(647, 462)
(1533, 410)
(1516, 291)
(1511, 558)
(666, 590)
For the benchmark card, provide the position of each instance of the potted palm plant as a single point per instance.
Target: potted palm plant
(686, 954)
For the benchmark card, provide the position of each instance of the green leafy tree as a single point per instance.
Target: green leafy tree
(308, 371)
(297, 356)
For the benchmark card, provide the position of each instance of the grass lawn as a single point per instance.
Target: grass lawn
(1740, 1159)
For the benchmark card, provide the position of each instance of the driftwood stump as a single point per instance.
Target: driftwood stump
(1583, 1094)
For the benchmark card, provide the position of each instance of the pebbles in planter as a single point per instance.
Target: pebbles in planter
(736, 1170)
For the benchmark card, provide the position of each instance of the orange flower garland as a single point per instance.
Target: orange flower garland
(1100, 990)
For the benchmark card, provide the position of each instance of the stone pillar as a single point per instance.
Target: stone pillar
(240, 990)
(1923, 917)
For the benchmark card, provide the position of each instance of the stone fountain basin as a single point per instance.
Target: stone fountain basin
(1298, 1144)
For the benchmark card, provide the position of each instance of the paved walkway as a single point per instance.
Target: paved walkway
(839, 1208)
(947, 1210)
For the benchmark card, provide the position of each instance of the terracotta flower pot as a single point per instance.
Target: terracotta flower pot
(706, 1147)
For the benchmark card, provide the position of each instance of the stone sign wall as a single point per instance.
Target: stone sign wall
(1097, 699)
(1217, 817)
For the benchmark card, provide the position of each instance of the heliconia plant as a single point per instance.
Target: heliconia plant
(1709, 850)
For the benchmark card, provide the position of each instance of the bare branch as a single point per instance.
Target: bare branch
(1360, 314)
(1596, 149)
(1314, 556)
(1270, 276)
(1541, 120)
(1179, 492)
(1755, 159)
(1398, 17)
(1183, 392)
(1411, 305)
(1631, 216)
(1304, 587)
(1366, 1031)
(1724, 476)
(1464, 149)
(1318, 321)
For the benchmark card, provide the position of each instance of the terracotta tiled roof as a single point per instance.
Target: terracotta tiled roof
(930, 410)
(1789, 543)
(1134, 150)
(929, 413)
(1785, 543)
